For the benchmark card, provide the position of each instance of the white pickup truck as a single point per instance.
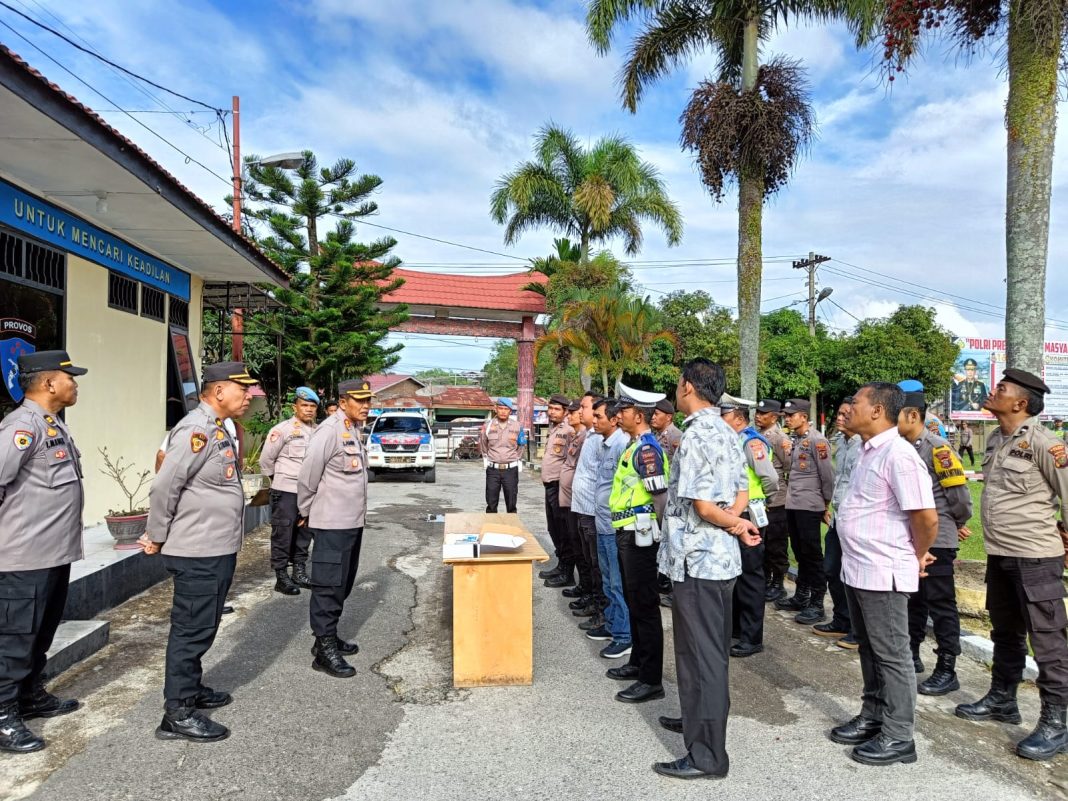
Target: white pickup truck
(401, 441)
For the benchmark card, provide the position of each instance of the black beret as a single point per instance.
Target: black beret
(575, 405)
(559, 400)
(665, 406)
(1025, 379)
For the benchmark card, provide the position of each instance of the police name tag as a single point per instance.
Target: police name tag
(757, 513)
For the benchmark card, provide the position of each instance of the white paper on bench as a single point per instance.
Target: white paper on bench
(500, 543)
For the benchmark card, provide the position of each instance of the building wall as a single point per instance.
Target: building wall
(121, 399)
(405, 388)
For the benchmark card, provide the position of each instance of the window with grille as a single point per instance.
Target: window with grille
(31, 262)
(122, 293)
(151, 303)
(10, 254)
(179, 312)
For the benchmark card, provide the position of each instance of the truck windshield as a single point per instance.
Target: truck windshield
(401, 425)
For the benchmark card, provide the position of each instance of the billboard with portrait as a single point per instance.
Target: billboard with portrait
(978, 369)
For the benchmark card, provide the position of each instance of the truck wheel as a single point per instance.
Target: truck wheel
(430, 476)
(370, 475)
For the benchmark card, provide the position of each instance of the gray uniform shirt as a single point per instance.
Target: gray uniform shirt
(197, 504)
(952, 499)
(780, 459)
(669, 440)
(283, 451)
(332, 485)
(556, 442)
(499, 442)
(811, 473)
(41, 497)
(846, 460)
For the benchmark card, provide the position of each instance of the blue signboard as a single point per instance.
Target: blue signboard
(44, 221)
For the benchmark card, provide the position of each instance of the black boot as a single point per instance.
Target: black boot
(999, 703)
(551, 572)
(300, 575)
(775, 590)
(14, 736)
(943, 679)
(1050, 736)
(796, 602)
(581, 603)
(42, 704)
(285, 584)
(329, 661)
(565, 578)
(813, 611)
(917, 663)
(186, 723)
(578, 591)
(344, 648)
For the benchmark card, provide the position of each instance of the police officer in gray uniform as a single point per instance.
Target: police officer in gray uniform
(196, 518)
(41, 504)
(332, 497)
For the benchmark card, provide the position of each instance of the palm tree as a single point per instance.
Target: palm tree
(1035, 34)
(740, 129)
(566, 254)
(593, 195)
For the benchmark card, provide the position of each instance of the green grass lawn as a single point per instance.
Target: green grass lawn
(972, 548)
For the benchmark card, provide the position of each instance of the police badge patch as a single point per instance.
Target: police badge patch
(197, 442)
(23, 440)
(1060, 456)
(822, 450)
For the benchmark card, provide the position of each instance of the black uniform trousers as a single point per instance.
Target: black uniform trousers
(747, 607)
(578, 554)
(200, 587)
(1025, 598)
(496, 480)
(556, 522)
(937, 598)
(638, 567)
(776, 542)
(587, 530)
(701, 622)
(31, 605)
(967, 449)
(832, 569)
(805, 540)
(334, 561)
(289, 542)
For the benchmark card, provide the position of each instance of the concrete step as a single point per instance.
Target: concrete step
(74, 641)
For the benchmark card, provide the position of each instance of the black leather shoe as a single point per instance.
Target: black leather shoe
(284, 584)
(346, 648)
(553, 571)
(882, 750)
(622, 673)
(15, 738)
(208, 698)
(42, 704)
(999, 703)
(746, 649)
(832, 629)
(684, 769)
(578, 591)
(300, 575)
(329, 661)
(185, 723)
(588, 611)
(580, 603)
(859, 730)
(227, 610)
(640, 692)
(671, 724)
(561, 580)
(594, 622)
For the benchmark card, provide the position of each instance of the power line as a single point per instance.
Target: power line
(847, 311)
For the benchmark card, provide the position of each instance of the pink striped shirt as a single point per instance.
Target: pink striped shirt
(888, 481)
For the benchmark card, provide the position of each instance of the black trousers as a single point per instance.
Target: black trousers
(937, 598)
(747, 607)
(638, 567)
(556, 522)
(776, 542)
(289, 542)
(971, 454)
(496, 480)
(578, 555)
(805, 540)
(701, 620)
(31, 605)
(1025, 598)
(832, 568)
(334, 560)
(200, 587)
(587, 531)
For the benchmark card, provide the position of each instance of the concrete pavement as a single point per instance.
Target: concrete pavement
(398, 730)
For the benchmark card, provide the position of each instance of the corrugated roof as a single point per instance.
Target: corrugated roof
(381, 381)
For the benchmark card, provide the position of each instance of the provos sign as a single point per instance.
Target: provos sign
(44, 221)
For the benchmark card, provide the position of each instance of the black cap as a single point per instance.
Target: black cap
(969, 362)
(797, 405)
(769, 406)
(560, 400)
(356, 388)
(228, 371)
(574, 406)
(1025, 379)
(665, 406)
(44, 360)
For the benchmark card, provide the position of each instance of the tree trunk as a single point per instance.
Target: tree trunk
(750, 256)
(585, 377)
(313, 236)
(584, 246)
(1031, 120)
(604, 380)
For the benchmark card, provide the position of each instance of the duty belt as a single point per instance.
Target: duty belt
(504, 465)
(636, 510)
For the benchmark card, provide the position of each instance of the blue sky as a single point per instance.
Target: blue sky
(904, 189)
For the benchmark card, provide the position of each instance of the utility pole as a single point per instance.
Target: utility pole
(237, 318)
(810, 264)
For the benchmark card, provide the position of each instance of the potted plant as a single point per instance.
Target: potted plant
(128, 524)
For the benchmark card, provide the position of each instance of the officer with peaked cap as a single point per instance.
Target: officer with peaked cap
(196, 519)
(280, 460)
(777, 533)
(501, 442)
(637, 502)
(969, 392)
(1025, 471)
(41, 502)
(332, 497)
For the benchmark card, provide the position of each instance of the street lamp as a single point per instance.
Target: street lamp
(285, 161)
